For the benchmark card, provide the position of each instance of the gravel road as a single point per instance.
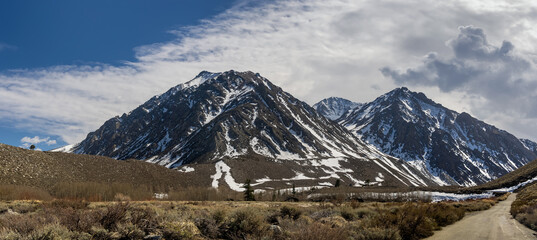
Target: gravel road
(495, 223)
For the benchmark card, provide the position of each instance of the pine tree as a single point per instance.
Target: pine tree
(32, 147)
(338, 183)
(248, 191)
(294, 191)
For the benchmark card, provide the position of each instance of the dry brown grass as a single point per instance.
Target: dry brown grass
(65, 219)
(524, 208)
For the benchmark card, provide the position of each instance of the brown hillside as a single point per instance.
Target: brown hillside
(45, 169)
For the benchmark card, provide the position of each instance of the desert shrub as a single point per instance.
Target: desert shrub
(318, 231)
(374, 233)
(411, 220)
(524, 208)
(51, 231)
(130, 231)
(246, 223)
(208, 227)
(444, 214)
(219, 216)
(290, 212)
(113, 215)
(480, 205)
(347, 213)
(180, 230)
(144, 218)
(22, 224)
(414, 222)
(364, 212)
(23, 207)
(74, 219)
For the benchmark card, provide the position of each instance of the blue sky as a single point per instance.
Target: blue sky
(38, 34)
(68, 66)
(63, 32)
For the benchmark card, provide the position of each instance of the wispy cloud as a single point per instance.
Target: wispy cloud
(313, 49)
(5, 46)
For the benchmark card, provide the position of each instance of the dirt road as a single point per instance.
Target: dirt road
(495, 223)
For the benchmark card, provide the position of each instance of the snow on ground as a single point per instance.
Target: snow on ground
(186, 169)
(299, 176)
(66, 149)
(222, 169)
(513, 188)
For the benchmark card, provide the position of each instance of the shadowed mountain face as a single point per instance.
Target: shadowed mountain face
(242, 123)
(450, 147)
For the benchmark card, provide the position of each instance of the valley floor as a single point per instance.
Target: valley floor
(494, 223)
(63, 219)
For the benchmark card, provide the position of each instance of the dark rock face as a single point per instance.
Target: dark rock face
(453, 148)
(232, 118)
(334, 107)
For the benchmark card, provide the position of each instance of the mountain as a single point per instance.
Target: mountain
(334, 107)
(243, 124)
(450, 147)
(530, 145)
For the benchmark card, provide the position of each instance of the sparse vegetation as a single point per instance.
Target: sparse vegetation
(524, 208)
(78, 219)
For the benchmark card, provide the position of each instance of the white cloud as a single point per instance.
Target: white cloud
(27, 141)
(311, 48)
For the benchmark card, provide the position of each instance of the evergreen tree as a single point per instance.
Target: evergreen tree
(248, 191)
(338, 183)
(294, 191)
(32, 147)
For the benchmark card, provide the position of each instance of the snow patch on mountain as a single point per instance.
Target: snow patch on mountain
(222, 169)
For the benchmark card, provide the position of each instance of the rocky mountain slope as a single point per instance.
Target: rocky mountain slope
(530, 145)
(450, 147)
(335, 107)
(247, 128)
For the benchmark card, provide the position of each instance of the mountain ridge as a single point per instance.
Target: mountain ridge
(234, 118)
(412, 127)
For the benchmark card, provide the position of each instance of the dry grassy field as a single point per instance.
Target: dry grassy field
(75, 219)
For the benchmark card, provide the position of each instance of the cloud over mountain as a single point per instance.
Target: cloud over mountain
(315, 49)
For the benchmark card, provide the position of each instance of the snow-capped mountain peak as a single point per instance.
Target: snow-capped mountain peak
(335, 107)
(453, 148)
(237, 119)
